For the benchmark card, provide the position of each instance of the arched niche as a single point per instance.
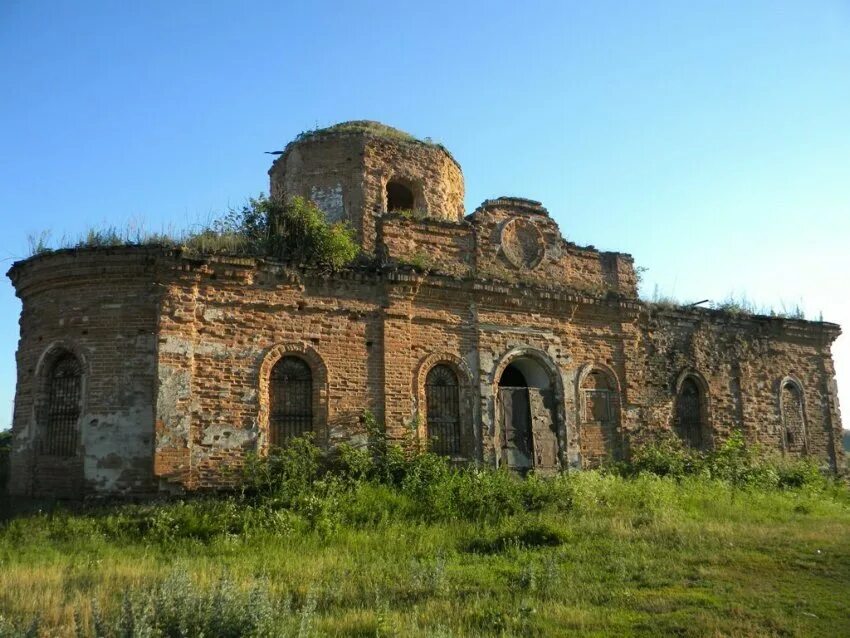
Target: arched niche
(598, 414)
(792, 410)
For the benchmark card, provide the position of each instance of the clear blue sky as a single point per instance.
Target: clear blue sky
(711, 140)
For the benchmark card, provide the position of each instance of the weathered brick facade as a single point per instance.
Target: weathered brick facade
(548, 360)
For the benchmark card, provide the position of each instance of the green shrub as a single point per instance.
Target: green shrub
(800, 473)
(353, 464)
(375, 504)
(293, 231)
(285, 473)
(733, 462)
(473, 494)
(520, 534)
(423, 471)
(297, 487)
(389, 458)
(299, 232)
(666, 456)
(177, 607)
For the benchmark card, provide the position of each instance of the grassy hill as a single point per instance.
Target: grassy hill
(410, 547)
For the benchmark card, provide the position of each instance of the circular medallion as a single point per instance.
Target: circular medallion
(522, 243)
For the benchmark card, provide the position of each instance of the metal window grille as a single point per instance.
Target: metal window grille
(62, 432)
(443, 406)
(689, 414)
(792, 417)
(600, 399)
(290, 400)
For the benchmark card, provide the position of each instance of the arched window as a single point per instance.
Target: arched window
(793, 423)
(399, 197)
(442, 401)
(689, 413)
(600, 399)
(290, 400)
(599, 418)
(64, 391)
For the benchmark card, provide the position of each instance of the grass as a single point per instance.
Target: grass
(203, 240)
(295, 231)
(590, 554)
(5, 450)
(733, 305)
(364, 126)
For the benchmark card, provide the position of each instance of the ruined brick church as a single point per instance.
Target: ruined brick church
(487, 335)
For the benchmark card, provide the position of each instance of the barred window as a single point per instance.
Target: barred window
(290, 400)
(601, 404)
(64, 390)
(442, 396)
(792, 418)
(689, 413)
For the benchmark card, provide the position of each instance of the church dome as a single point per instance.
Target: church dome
(359, 170)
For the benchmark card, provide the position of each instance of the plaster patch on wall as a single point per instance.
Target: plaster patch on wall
(213, 314)
(172, 344)
(118, 449)
(486, 361)
(215, 348)
(174, 386)
(329, 200)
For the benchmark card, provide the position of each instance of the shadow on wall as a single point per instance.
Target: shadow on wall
(5, 450)
(845, 439)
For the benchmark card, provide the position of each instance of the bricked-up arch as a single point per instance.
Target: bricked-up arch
(286, 372)
(432, 371)
(792, 410)
(598, 414)
(691, 414)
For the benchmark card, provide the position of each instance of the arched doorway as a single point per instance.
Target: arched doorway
(526, 412)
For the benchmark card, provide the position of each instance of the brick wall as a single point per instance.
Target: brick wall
(347, 173)
(100, 305)
(178, 352)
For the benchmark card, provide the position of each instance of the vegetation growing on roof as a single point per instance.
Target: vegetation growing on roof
(293, 231)
(363, 126)
(732, 305)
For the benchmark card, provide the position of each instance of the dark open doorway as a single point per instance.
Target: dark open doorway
(525, 408)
